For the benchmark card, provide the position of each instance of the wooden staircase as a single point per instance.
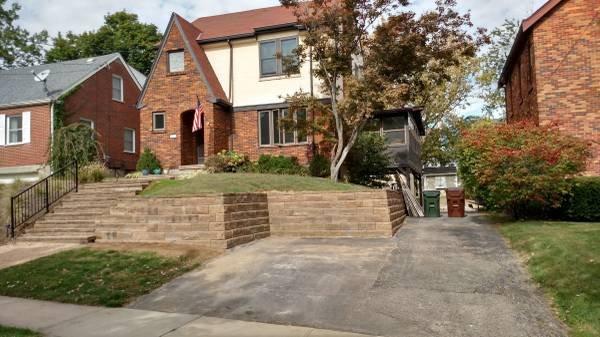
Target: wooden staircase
(75, 217)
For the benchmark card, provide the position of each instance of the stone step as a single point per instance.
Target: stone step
(99, 190)
(59, 222)
(62, 232)
(89, 227)
(73, 215)
(156, 219)
(65, 238)
(115, 184)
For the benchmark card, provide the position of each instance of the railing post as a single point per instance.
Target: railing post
(12, 217)
(76, 176)
(47, 197)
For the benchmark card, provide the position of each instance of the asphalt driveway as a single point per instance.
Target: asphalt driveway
(437, 277)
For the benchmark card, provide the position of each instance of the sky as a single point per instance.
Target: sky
(82, 15)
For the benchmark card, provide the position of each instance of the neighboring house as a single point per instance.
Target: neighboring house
(100, 91)
(553, 71)
(440, 178)
(402, 129)
(232, 64)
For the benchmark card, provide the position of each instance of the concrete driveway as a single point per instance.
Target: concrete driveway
(437, 277)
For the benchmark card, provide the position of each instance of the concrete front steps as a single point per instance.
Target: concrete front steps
(74, 218)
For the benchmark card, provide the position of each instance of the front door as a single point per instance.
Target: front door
(200, 146)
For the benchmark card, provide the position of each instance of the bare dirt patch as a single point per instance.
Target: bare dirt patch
(191, 253)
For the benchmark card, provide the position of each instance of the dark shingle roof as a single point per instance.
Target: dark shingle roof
(18, 87)
(243, 23)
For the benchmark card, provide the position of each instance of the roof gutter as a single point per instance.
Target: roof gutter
(27, 103)
(257, 31)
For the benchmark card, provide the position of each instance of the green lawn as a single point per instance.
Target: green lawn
(564, 258)
(92, 277)
(14, 332)
(244, 182)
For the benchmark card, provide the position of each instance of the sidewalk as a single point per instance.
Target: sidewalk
(67, 320)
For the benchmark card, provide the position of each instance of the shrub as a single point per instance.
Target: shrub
(519, 168)
(368, 162)
(584, 201)
(93, 173)
(278, 165)
(6, 191)
(73, 142)
(319, 166)
(226, 161)
(148, 161)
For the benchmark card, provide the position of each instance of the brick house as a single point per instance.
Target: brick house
(232, 64)
(101, 92)
(552, 73)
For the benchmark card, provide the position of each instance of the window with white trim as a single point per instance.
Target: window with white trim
(272, 132)
(14, 129)
(158, 121)
(88, 122)
(129, 141)
(276, 55)
(176, 61)
(117, 88)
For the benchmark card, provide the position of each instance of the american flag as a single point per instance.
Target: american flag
(198, 117)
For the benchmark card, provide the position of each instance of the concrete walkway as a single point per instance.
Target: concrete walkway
(14, 253)
(67, 320)
(437, 277)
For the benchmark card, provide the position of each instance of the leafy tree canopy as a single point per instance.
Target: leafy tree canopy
(381, 54)
(121, 32)
(491, 64)
(18, 47)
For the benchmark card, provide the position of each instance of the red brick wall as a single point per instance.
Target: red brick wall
(35, 152)
(567, 47)
(93, 101)
(566, 74)
(175, 94)
(521, 91)
(245, 140)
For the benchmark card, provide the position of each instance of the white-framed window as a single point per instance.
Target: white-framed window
(129, 140)
(117, 88)
(15, 129)
(158, 121)
(440, 182)
(176, 61)
(276, 54)
(88, 122)
(272, 132)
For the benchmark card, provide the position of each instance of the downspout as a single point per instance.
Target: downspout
(231, 119)
(312, 95)
(230, 72)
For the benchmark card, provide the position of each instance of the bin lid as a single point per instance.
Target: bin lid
(431, 193)
(455, 192)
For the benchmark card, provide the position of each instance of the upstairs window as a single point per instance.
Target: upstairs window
(117, 88)
(277, 55)
(271, 131)
(393, 130)
(176, 61)
(15, 129)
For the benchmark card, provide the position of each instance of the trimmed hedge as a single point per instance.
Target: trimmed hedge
(584, 202)
(278, 165)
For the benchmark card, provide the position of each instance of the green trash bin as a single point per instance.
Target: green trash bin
(432, 204)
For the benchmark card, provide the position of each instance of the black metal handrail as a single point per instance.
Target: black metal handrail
(37, 199)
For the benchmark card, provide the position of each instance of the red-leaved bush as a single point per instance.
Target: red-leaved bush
(520, 168)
